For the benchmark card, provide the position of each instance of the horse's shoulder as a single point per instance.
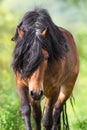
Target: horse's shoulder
(21, 82)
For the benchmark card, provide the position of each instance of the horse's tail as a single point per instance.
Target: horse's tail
(64, 118)
(64, 115)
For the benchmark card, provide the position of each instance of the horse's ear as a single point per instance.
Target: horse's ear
(20, 32)
(44, 33)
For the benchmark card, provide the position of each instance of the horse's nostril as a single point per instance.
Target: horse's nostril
(31, 93)
(36, 95)
(41, 92)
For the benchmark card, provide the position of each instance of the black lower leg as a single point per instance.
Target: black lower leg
(56, 117)
(25, 107)
(47, 119)
(25, 110)
(59, 122)
(37, 114)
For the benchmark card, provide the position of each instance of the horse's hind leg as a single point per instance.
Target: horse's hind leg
(37, 114)
(25, 107)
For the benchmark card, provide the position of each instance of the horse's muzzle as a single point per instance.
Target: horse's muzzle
(36, 95)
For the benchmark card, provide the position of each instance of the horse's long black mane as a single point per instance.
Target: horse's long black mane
(28, 50)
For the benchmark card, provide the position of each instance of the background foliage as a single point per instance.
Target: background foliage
(70, 14)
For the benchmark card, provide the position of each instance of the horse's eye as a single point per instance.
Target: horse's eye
(46, 57)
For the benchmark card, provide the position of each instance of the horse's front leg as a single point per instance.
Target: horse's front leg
(47, 118)
(64, 94)
(25, 106)
(37, 114)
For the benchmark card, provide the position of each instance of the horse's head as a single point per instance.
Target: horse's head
(35, 79)
(36, 88)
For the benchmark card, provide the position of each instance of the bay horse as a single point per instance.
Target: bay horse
(45, 62)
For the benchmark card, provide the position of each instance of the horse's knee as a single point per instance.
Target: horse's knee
(57, 111)
(25, 110)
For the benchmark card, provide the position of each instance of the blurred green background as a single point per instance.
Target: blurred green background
(70, 14)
